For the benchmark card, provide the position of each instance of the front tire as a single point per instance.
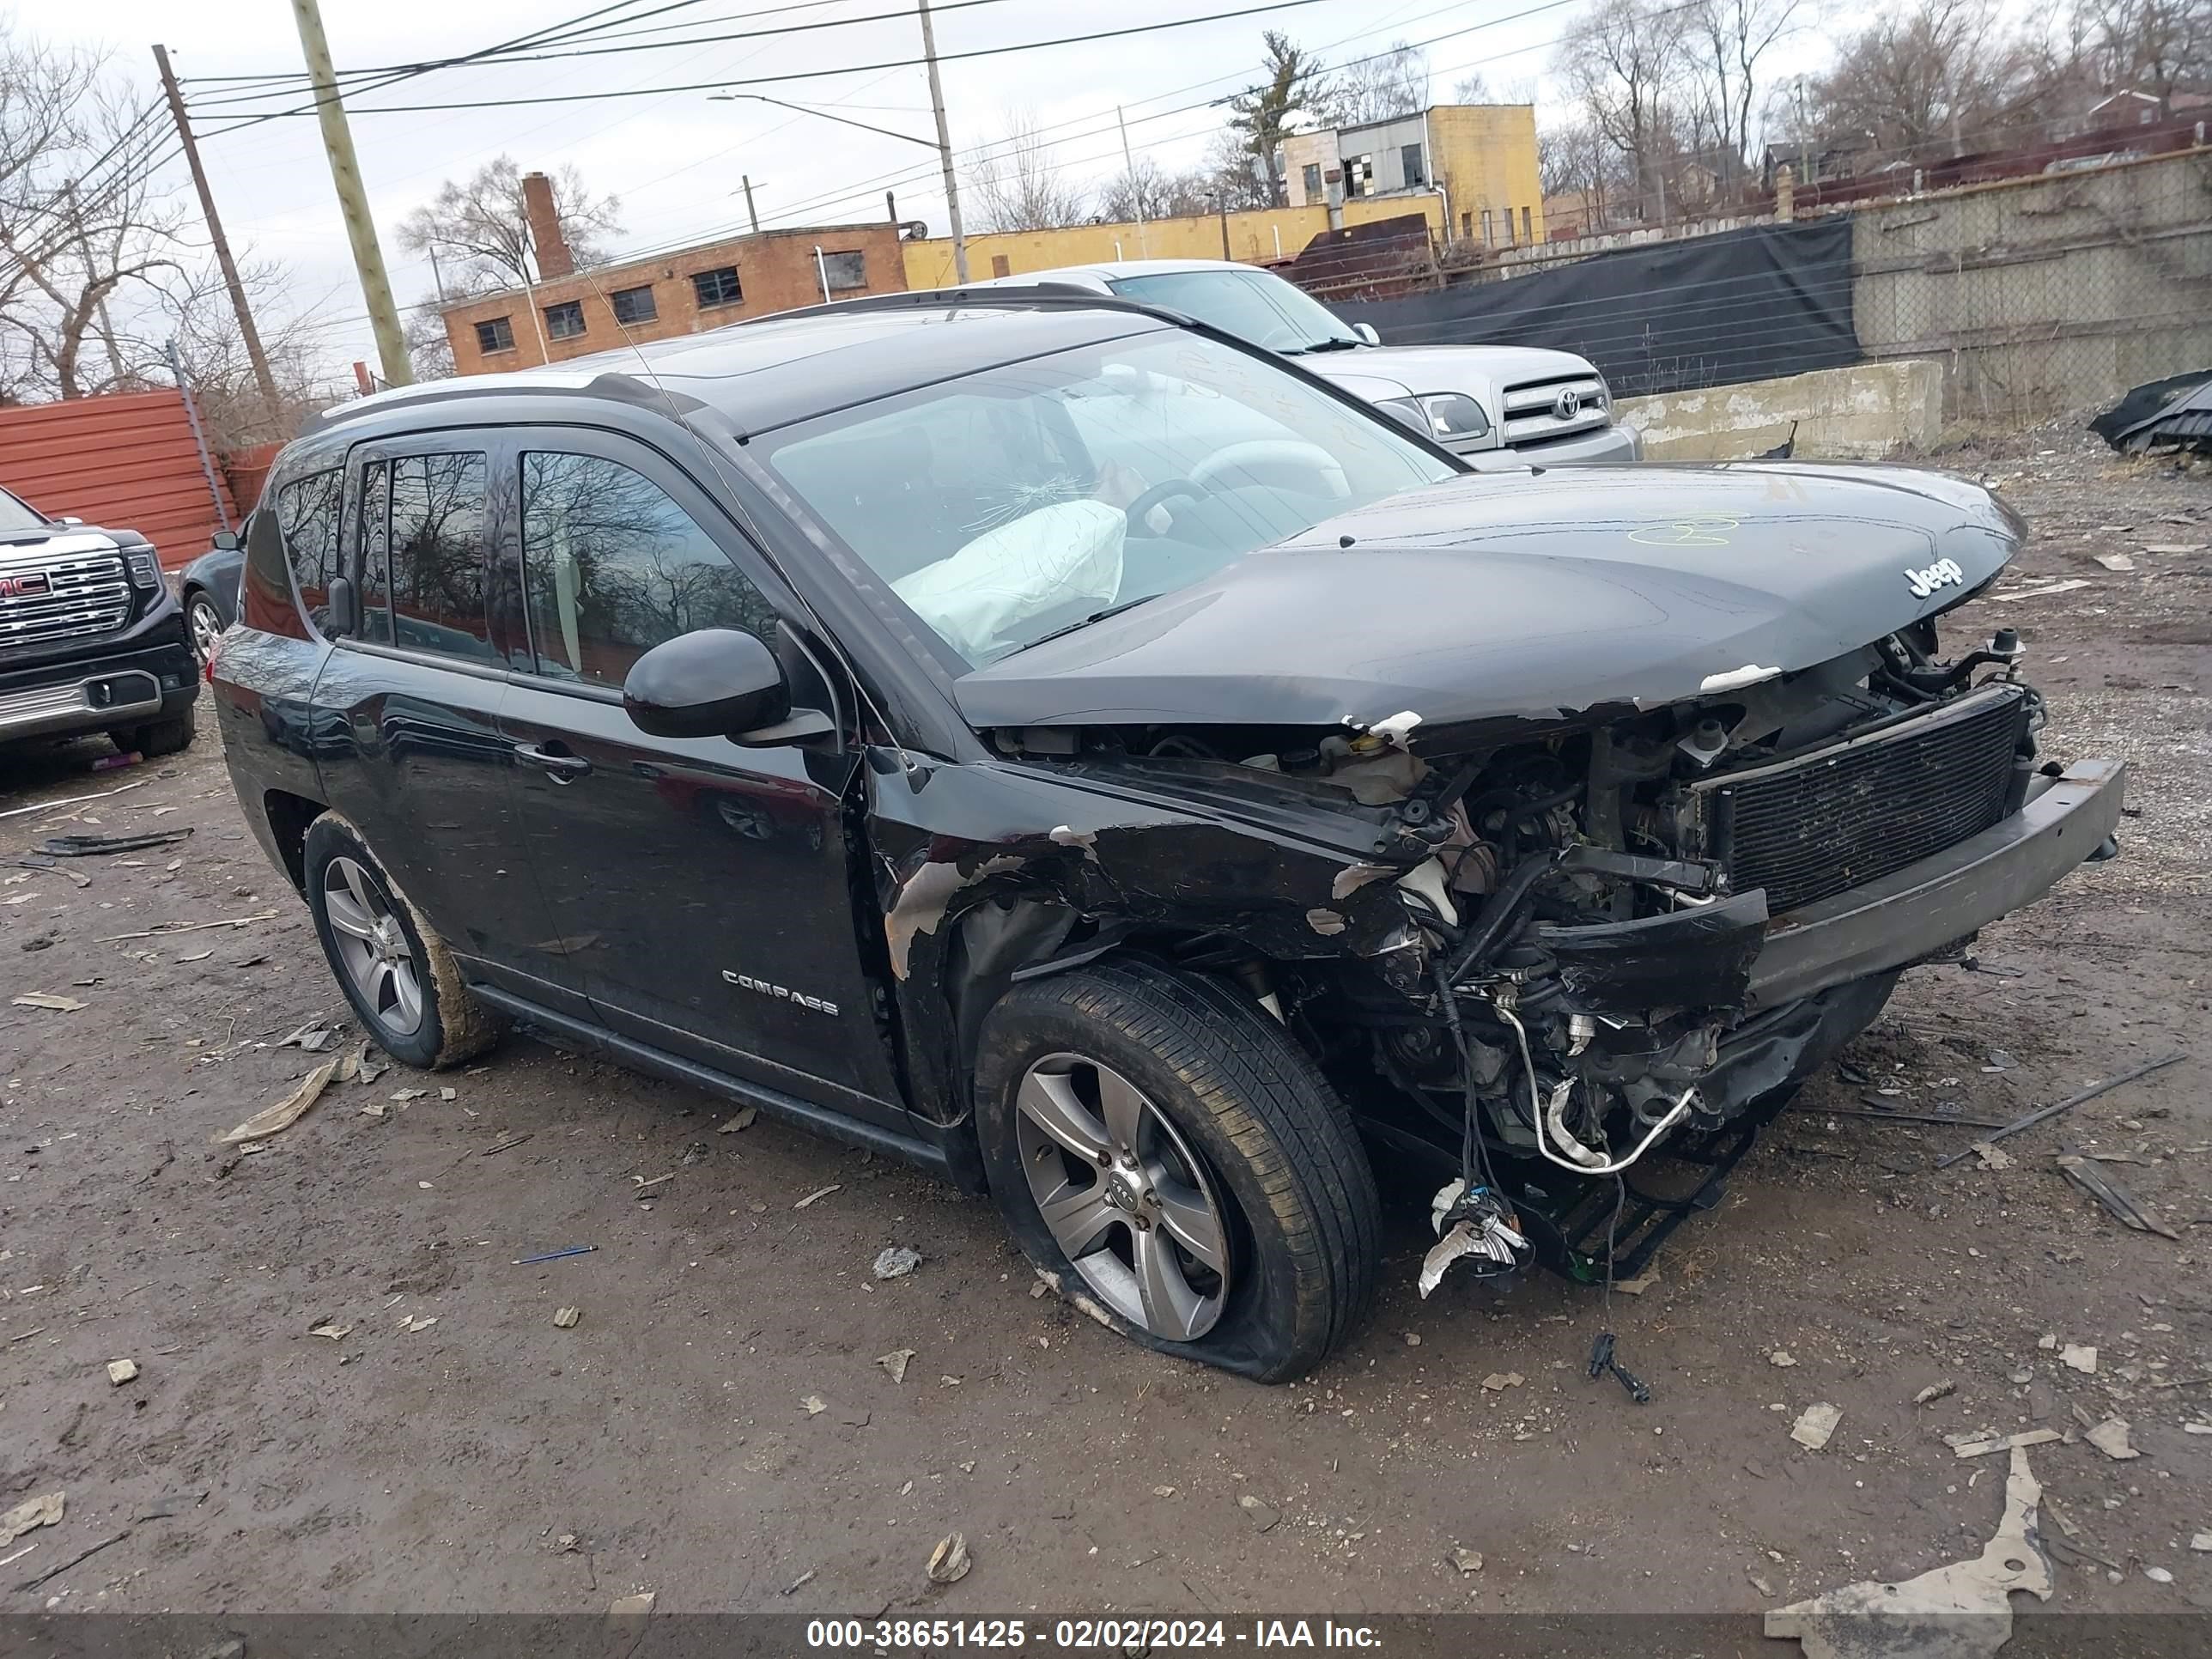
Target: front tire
(1164, 1150)
(157, 737)
(392, 964)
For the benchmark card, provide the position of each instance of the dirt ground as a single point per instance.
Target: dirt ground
(446, 1447)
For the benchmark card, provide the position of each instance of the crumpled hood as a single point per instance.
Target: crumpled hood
(1532, 594)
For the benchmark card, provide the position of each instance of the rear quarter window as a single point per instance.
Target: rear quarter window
(292, 546)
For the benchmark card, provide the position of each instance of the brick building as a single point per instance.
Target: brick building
(571, 315)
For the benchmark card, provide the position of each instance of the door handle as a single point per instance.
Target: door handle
(559, 767)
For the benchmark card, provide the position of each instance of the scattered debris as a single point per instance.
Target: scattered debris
(2111, 1437)
(632, 1607)
(2043, 1113)
(2077, 1358)
(2117, 561)
(43, 1510)
(120, 1371)
(2201, 1542)
(85, 847)
(815, 1405)
(1920, 1616)
(336, 1332)
(895, 1362)
(1814, 1424)
(744, 1120)
(1466, 1560)
(566, 1318)
(2125, 1207)
(555, 1255)
(819, 1192)
(60, 1004)
(1979, 1447)
(1498, 1382)
(2174, 411)
(1601, 1360)
(504, 1144)
(1259, 1512)
(2039, 593)
(1163, 1491)
(1643, 1281)
(71, 800)
(896, 1262)
(411, 1323)
(1992, 1158)
(275, 1119)
(448, 1094)
(1782, 1358)
(949, 1562)
(403, 1095)
(800, 1582)
(167, 927)
(1935, 1391)
(2157, 1575)
(59, 1568)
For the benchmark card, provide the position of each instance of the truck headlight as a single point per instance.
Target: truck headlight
(145, 568)
(1452, 415)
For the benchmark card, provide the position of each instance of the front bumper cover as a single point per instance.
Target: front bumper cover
(1915, 912)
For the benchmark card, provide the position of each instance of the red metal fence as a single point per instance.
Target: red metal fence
(127, 461)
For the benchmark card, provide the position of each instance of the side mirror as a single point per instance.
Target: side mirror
(1366, 331)
(711, 683)
(224, 541)
(340, 607)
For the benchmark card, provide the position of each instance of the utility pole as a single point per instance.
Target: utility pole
(746, 179)
(353, 200)
(1136, 196)
(945, 149)
(262, 378)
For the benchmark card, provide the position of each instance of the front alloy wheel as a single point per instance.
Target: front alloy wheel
(1125, 1197)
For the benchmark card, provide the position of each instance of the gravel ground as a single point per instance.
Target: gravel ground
(446, 1446)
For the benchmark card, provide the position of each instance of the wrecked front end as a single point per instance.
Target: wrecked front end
(1532, 951)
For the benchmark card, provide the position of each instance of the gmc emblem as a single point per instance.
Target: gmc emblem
(30, 583)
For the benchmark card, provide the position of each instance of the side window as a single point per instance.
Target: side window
(423, 555)
(308, 512)
(612, 567)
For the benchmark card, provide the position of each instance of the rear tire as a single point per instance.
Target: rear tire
(1231, 1120)
(392, 964)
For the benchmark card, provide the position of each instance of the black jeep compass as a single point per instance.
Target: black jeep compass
(1048, 740)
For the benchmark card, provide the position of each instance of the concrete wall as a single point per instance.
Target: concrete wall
(2043, 295)
(1854, 413)
(776, 272)
(1258, 237)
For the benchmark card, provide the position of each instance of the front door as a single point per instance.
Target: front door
(703, 888)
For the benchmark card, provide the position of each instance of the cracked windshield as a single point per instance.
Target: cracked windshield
(1028, 499)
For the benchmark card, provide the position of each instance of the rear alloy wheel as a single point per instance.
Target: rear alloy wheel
(393, 968)
(1169, 1158)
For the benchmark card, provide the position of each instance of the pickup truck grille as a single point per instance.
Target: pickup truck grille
(81, 593)
(1532, 409)
(1810, 828)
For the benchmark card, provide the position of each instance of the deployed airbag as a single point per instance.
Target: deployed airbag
(1065, 555)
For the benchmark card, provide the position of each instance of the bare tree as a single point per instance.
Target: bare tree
(81, 231)
(1472, 88)
(191, 315)
(1376, 89)
(1622, 59)
(430, 348)
(1233, 177)
(477, 231)
(2152, 46)
(1575, 160)
(1017, 184)
(1148, 191)
(1726, 41)
(1927, 81)
(1263, 114)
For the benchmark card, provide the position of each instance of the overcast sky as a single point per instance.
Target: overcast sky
(675, 159)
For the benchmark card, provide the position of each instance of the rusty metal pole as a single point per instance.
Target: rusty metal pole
(262, 378)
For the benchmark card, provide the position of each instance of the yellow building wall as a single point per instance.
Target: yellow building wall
(1485, 157)
(1256, 237)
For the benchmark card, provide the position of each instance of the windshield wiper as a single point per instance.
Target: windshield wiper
(1333, 343)
(1086, 622)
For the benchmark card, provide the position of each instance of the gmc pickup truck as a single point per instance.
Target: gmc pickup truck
(91, 639)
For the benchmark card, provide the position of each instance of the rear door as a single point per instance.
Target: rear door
(409, 708)
(704, 888)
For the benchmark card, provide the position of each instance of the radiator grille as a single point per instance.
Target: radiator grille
(1809, 829)
(81, 593)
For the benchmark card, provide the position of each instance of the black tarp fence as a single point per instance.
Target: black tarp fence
(1752, 304)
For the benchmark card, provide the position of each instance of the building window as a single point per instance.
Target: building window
(844, 270)
(1359, 176)
(1527, 235)
(633, 306)
(1409, 162)
(1000, 265)
(566, 320)
(717, 287)
(1485, 226)
(1508, 227)
(1466, 225)
(497, 335)
(1311, 178)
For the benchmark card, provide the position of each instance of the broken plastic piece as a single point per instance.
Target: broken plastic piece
(1472, 1223)
(1601, 1360)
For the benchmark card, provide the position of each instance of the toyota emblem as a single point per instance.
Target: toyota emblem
(1567, 404)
